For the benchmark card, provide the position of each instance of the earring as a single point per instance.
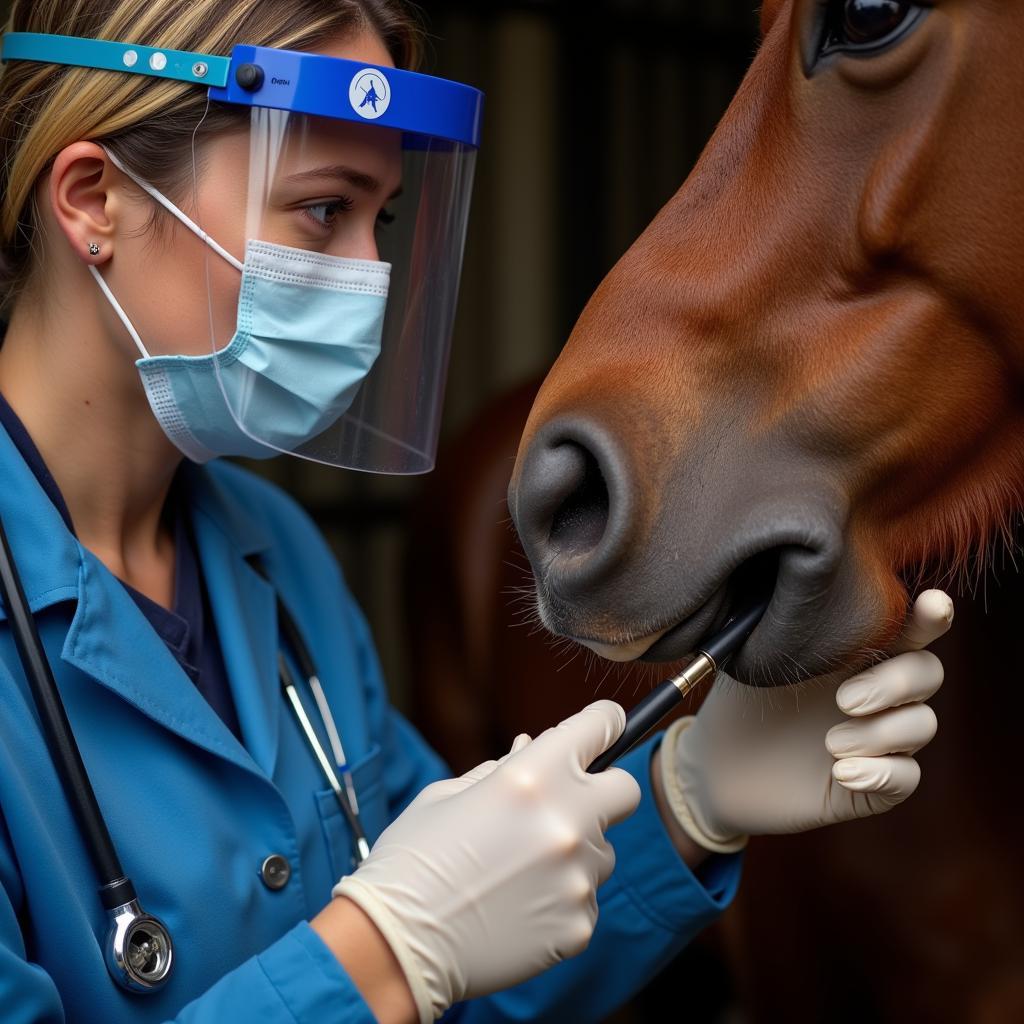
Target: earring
(94, 249)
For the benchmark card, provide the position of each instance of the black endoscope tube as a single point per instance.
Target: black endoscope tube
(734, 634)
(666, 696)
(115, 889)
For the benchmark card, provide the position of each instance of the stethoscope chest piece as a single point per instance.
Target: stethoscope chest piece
(139, 951)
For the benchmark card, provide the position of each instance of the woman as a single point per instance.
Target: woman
(225, 221)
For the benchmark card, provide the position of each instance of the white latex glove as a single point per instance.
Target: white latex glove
(754, 762)
(488, 879)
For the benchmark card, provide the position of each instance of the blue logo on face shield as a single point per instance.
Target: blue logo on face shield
(369, 94)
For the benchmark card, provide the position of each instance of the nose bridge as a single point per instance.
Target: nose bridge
(734, 245)
(746, 166)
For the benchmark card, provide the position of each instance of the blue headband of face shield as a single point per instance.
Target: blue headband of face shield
(390, 422)
(303, 83)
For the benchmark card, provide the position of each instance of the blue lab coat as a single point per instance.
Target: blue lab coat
(194, 812)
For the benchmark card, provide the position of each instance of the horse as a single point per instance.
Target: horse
(806, 375)
(813, 354)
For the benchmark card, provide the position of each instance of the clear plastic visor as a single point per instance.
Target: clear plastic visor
(334, 344)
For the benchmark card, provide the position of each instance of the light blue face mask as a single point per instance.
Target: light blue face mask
(309, 331)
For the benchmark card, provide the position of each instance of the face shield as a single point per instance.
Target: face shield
(359, 182)
(333, 253)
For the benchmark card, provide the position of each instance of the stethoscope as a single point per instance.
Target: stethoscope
(138, 951)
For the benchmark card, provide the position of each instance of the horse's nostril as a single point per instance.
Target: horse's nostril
(570, 504)
(755, 579)
(580, 520)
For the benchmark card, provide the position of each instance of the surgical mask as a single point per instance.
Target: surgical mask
(309, 331)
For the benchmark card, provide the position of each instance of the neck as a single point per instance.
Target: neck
(78, 394)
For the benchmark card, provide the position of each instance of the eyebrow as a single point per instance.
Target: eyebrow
(357, 179)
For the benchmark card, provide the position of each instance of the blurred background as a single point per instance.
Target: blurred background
(596, 113)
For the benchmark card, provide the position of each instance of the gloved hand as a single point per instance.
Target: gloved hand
(488, 879)
(754, 762)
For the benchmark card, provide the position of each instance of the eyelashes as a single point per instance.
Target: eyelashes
(325, 214)
(329, 210)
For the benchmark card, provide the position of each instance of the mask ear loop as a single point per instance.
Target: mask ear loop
(177, 214)
(172, 209)
(122, 315)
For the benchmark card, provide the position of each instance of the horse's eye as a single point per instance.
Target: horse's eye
(867, 26)
(868, 21)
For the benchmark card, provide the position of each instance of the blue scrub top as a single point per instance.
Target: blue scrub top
(187, 629)
(194, 810)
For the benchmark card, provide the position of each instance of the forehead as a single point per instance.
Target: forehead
(318, 150)
(363, 46)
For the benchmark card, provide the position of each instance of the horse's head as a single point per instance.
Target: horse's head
(814, 356)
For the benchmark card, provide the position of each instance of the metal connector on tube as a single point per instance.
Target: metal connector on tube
(701, 668)
(667, 695)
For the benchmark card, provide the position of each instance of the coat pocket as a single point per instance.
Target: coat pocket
(368, 777)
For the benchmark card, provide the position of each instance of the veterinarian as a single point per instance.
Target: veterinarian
(235, 227)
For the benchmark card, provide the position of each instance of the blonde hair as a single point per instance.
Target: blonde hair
(148, 123)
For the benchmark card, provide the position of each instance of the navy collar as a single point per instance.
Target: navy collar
(180, 626)
(16, 431)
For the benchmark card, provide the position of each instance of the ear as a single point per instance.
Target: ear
(80, 197)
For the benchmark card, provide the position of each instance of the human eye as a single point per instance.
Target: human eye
(325, 212)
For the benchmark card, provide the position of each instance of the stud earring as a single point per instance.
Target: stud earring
(94, 249)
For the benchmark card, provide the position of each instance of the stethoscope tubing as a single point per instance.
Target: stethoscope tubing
(346, 798)
(138, 950)
(66, 756)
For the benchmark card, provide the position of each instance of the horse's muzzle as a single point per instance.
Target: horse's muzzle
(644, 569)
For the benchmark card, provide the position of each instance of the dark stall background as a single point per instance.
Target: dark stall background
(596, 113)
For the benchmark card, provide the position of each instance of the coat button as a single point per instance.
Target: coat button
(275, 871)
